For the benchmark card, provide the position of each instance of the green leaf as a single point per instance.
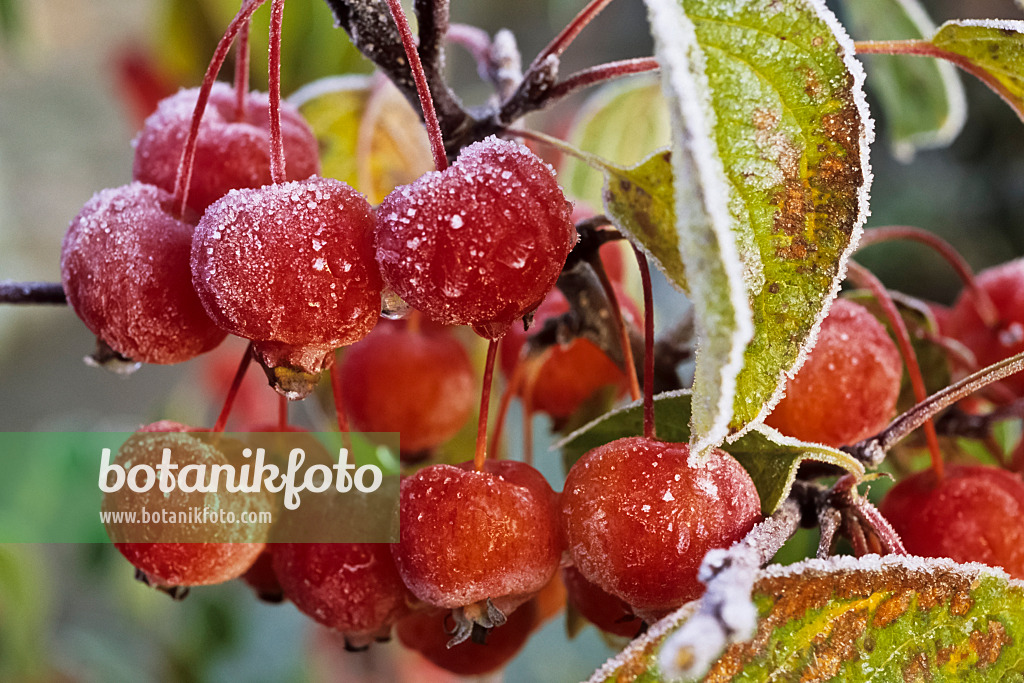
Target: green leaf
(707, 246)
(923, 99)
(894, 618)
(770, 458)
(640, 201)
(771, 175)
(369, 135)
(608, 126)
(991, 50)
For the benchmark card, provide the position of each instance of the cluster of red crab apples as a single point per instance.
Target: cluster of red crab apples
(162, 269)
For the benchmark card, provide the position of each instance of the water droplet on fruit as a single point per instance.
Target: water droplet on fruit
(392, 307)
(456, 222)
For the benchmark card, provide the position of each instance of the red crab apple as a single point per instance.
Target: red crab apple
(480, 243)
(973, 514)
(847, 389)
(289, 266)
(479, 543)
(232, 148)
(125, 270)
(195, 551)
(415, 380)
(640, 515)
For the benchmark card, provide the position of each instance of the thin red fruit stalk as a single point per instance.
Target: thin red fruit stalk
(485, 401)
(339, 402)
(645, 278)
(562, 41)
(236, 383)
(282, 413)
(188, 153)
(242, 70)
(422, 89)
(866, 278)
(620, 328)
(274, 80)
(986, 309)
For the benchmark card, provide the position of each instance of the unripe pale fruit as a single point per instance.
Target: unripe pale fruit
(639, 517)
(847, 389)
(289, 266)
(480, 243)
(232, 152)
(125, 270)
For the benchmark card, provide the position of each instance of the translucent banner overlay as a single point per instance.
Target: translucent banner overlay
(198, 487)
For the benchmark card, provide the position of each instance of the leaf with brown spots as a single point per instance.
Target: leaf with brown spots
(781, 140)
(894, 618)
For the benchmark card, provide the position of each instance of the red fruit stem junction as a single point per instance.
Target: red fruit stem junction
(274, 80)
(188, 153)
(866, 278)
(422, 89)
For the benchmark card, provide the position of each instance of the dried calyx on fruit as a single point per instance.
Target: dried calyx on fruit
(479, 243)
(289, 266)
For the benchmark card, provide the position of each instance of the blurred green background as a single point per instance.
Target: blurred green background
(66, 118)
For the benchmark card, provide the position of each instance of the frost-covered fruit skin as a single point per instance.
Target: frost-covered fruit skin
(350, 587)
(479, 243)
(847, 389)
(419, 383)
(289, 266)
(1005, 286)
(125, 270)
(639, 518)
(564, 377)
(469, 536)
(196, 552)
(230, 153)
(974, 514)
(424, 632)
(603, 610)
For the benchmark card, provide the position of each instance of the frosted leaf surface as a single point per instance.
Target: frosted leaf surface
(779, 166)
(289, 263)
(230, 153)
(125, 271)
(471, 246)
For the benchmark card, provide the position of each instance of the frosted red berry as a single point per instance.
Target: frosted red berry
(418, 382)
(125, 271)
(639, 517)
(350, 587)
(480, 243)
(195, 551)
(1004, 285)
(232, 151)
(289, 266)
(602, 609)
(972, 514)
(847, 389)
(474, 540)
